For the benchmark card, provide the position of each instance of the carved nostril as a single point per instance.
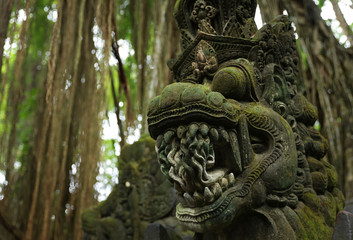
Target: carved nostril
(194, 94)
(153, 106)
(231, 82)
(215, 99)
(170, 96)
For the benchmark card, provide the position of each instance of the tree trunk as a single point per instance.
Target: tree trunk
(165, 47)
(5, 13)
(69, 126)
(343, 23)
(270, 9)
(141, 18)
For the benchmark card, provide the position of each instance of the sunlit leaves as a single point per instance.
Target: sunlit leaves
(321, 3)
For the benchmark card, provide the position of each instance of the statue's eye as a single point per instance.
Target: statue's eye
(231, 82)
(258, 144)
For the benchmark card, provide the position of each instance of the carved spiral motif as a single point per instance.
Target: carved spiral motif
(202, 11)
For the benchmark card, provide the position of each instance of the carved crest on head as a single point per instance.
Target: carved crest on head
(202, 15)
(224, 18)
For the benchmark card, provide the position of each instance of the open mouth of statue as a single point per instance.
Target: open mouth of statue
(205, 144)
(203, 161)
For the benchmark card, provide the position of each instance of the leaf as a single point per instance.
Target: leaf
(321, 3)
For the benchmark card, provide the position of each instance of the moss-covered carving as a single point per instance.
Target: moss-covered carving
(234, 135)
(143, 195)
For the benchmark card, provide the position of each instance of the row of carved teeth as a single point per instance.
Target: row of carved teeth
(204, 216)
(210, 194)
(193, 129)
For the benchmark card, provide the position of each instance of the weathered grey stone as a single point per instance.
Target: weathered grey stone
(344, 226)
(156, 231)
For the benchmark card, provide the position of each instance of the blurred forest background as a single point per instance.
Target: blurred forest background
(72, 70)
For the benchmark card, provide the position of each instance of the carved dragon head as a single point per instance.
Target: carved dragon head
(233, 134)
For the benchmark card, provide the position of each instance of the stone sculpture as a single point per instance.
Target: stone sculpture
(234, 135)
(142, 196)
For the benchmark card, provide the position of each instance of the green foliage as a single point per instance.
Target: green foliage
(124, 20)
(3, 111)
(317, 125)
(33, 72)
(26, 114)
(39, 26)
(130, 70)
(321, 3)
(109, 151)
(304, 61)
(109, 163)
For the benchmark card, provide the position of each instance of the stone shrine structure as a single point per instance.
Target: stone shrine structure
(234, 135)
(142, 196)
